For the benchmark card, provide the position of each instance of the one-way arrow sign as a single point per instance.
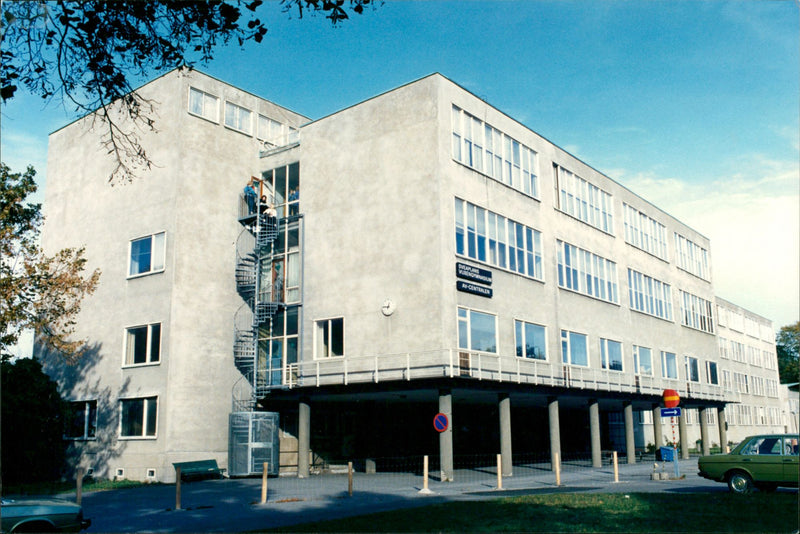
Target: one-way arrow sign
(670, 412)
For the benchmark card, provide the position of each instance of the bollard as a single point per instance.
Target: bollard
(350, 478)
(79, 485)
(177, 488)
(499, 471)
(557, 461)
(616, 466)
(264, 475)
(425, 489)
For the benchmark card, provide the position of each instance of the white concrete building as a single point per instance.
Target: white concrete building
(430, 254)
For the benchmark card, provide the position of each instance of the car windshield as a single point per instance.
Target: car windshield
(766, 445)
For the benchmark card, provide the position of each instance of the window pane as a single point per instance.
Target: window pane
(137, 345)
(482, 332)
(578, 350)
(534, 341)
(132, 416)
(152, 412)
(645, 361)
(158, 251)
(337, 337)
(140, 256)
(155, 342)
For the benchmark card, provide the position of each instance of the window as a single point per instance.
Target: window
(477, 331)
(269, 130)
(81, 420)
(138, 417)
(742, 384)
(238, 118)
(696, 312)
(692, 257)
(611, 354)
(584, 201)
(147, 255)
(692, 369)
(203, 104)
(574, 348)
(493, 153)
(531, 340)
(669, 365)
(645, 233)
(727, 383)
(772, 445)
(648, 295)
(490, 238)
(712, 375)
(642, 360)
(329, 338)
(580, 270)
(143, 344)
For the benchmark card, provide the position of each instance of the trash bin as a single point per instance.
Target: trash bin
(666, 454)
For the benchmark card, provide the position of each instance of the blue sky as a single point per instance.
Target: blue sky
(693, 105)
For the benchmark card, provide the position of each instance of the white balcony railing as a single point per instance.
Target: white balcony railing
(454, 363)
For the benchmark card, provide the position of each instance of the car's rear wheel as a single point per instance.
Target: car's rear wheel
(740, 482)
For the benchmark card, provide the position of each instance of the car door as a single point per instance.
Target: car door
(790, 459)
(763, 458)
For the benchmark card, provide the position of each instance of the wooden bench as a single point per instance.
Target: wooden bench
(199, 469)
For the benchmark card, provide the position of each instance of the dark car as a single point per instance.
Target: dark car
(764, 462)
(41, 515)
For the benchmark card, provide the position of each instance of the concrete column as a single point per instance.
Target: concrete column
(446, 437)
(722, 422)
(702, 413)
(630, 441)
(555, 435)
(303, 438)
(658, 431)
(504, 408)
(684, 435)
(594, 433)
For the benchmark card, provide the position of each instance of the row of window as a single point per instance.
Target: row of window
(751, 385)
(745, 414)
(487, 237)
(734, 320)
(237, 117)
(739, 352)
(138, 418)
(691, 416)
(497, 155)
(477, 331)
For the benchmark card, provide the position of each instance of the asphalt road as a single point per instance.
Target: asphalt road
(233, 505)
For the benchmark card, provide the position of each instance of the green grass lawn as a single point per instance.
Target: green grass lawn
(636, 512)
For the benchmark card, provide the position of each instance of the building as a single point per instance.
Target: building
(428, 253)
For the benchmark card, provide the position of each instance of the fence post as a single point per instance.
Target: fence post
(350, 479)
(79, 485)
(499, 471)
(557, 460)
(177, 488)
(264, 475)
(616, 466)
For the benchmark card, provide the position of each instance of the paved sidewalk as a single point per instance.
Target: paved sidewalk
(233, 505)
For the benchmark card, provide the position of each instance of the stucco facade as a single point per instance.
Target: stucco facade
(439, 255)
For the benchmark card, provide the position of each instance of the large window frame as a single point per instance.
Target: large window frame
(203, 105)
(669, 365)
(147, 255)
(691, 257)
(712, 372)
(611, 356)
(238, 118)
(477, 331)
(138, 418)
(329, 340)
(530, 340)
(80, 423)
(489, 238)
(586, 273)
(574, 348)
(644, 232)
(583, 200)
(692, 365)
(489, 151)
(649, 295)
(696, 312)
(643, 360)
(142, 345)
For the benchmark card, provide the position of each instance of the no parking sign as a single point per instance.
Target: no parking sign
(440, 422)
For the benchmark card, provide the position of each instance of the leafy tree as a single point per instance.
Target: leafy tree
(787, 344)
(36, 291)
(33, 423)
(87, 52)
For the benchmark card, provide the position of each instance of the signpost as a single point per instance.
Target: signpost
(671, 401)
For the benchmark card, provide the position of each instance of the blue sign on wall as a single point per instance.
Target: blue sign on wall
(476, 274)
(670, 412)
(475, 289)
